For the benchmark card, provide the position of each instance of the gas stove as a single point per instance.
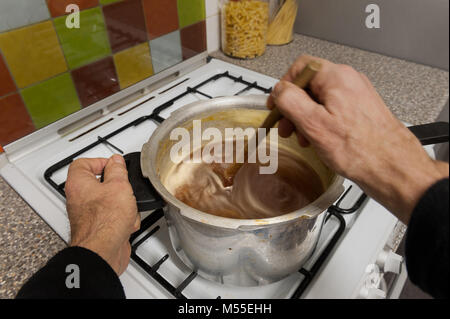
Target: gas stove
(356, 248)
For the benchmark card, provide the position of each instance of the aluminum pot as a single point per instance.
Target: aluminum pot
(240, 252)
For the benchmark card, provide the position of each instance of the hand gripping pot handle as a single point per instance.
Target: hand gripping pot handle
(147, 198)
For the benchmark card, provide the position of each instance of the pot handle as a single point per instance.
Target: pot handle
(431, 133)
(147, 198)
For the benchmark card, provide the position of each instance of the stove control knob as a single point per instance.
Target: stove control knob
(388, 261)
(371, 286)
(372, 293)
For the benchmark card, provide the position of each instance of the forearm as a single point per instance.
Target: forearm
(399, 186)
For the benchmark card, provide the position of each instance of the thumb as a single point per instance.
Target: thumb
(116, 169)
(297, 106)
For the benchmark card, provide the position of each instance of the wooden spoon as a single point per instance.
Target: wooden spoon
(227, 173)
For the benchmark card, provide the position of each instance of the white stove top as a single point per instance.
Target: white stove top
(343, 274)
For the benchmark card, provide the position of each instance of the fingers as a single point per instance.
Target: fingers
(82, 172)
(270, 103)
(285, 127)
(300, 64)
(116, 170)
(292, 73)
(87, 167)
(297, 106)
(302, 140)
(296, 69)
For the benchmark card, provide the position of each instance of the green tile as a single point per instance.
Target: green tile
(51, 100)
(86, 44)
(190, 11)
(108, 1)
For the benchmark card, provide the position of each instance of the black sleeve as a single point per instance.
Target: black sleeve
(427, 241)
(59, 277)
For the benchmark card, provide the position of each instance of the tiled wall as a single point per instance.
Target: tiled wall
(48, 71)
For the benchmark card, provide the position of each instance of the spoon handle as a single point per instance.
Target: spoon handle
(302, 80)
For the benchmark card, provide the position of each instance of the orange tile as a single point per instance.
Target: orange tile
(161, 19)
(32, 53)
(15, 122)
(6, 82)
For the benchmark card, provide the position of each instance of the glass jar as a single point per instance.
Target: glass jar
(244, 27)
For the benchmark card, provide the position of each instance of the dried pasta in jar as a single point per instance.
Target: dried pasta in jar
(244, 28)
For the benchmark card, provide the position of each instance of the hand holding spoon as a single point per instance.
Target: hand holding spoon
(302, 80)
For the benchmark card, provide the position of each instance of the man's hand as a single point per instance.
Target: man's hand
(355, 134)
(102, 215)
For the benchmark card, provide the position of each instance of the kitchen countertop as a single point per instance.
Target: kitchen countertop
(415, 93)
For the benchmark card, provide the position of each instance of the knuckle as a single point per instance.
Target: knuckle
(285, 97)
(79, 162)
(76, 163)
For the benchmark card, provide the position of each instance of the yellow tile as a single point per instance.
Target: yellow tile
(133, 65)
(33, 53)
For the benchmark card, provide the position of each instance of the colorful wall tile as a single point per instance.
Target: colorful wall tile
(166, 51)
(6, 82)
(19, 13)
(86, 44)
(191, 11)
(15, 122)
(48, 71)
(32, 53)
(108, 1)
(58, 7)
(193, 39)
(133, 65)
(96, 81)
(160, 19)
(126, 24)
(51, 100)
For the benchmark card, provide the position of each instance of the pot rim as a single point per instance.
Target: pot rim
(148, 156)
